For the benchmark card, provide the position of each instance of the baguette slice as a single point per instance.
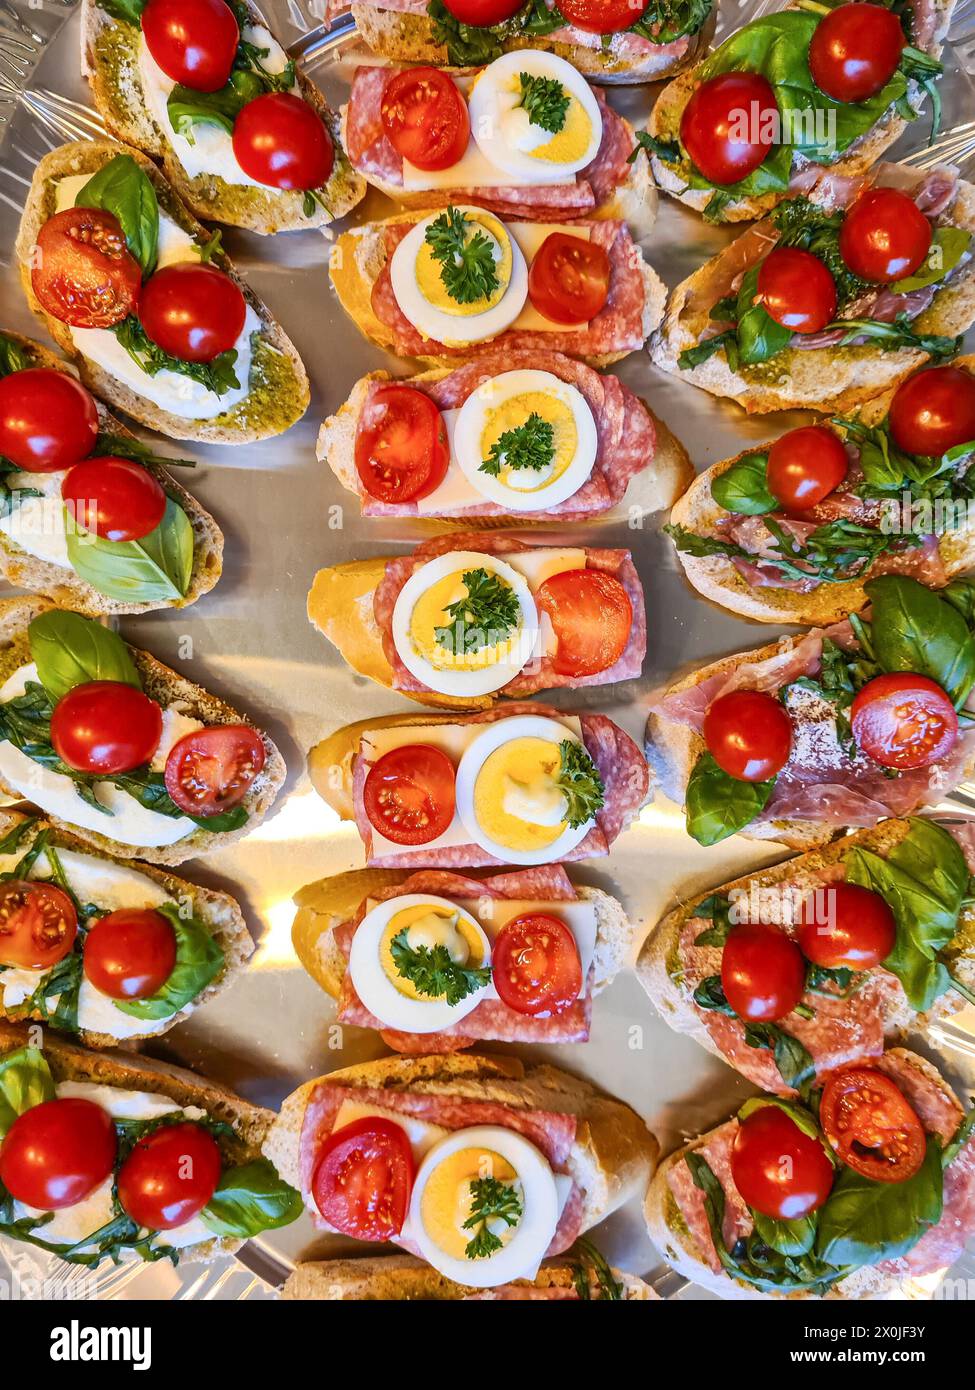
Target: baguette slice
(110, 61)
(279, 392)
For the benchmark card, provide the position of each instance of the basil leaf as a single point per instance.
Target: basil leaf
(798, 1114)
(719, 805)
(948, 245)
(759, 336)
(251, 1198)
(787, 1237)
(863, 1222)
(915, 630)
(156, 568)
(123, 189)
(960, 593)
(188, 108)
(128, 11)
(25, 1081)
(13, 358)
(199, 959)
(70, 650)
(743, 489)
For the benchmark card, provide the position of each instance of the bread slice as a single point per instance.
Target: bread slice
(110, 61)
(168, 687)
(279, 391)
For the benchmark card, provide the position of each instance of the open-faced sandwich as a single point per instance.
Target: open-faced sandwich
(466, 618)
(480, 1166)
(526, 784)
(205, 86)
(105, 1155)
(148, 305)
(831, 299)
(536, 435)
(437, 961)
(119, 749)
(821, 86)
(850, 1197)
(449, 284)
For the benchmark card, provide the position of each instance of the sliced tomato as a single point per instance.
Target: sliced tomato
(83, 273)
(211, 770)
(855, 50)
(193, 312)
(55, 1154)
(568, 280)
(115, 498)
(796, 290)
(748, 734)
(844, 926)
(483, 13)
(48, 420)
(885, 235)
(777, 1168)
(591, 616)
(932, 411)
(130, 953)
(401, 449)
(871, 1125)
(169, 1176)
(728, 125)
(105, 727)
(282, 142)
(363, 1179)
(904, 721)
(38, 924)
(193, 41)
(409, 794)
(425, 118)
(535, 965)
(804, 466)
(763, 973)
(602, 16)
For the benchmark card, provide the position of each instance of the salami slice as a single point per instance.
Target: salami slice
(716, 1151)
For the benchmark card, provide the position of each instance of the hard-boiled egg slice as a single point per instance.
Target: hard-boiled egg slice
(451, 1179)
(427, 922)
(516, 407)
(507, 796)
(559, 142)
(465, 655)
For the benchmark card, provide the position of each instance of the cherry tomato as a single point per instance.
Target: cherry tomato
(212, 770)
(568, 280)
(804, 466)
(409, 794)
(777, 1169)
(193, 312)
(871, 1126)
(602, 16)
(363, 1180)
(855, 51)
(535, 965)
(762, 972)
(885, 236)
(83, 273)
(282, 142)
(933, 411)
(130, 954)
(105, 727)
(729, 125)
(193, 41)
(748, 734)
(591, 616)
(401, 449)
(38, 924)
(169, 1176)
(47, 420)
(425, 118)
(844, 926)
(115, 498)
(483, 13)
(57, 1152)
(904, 721)
(796, 289)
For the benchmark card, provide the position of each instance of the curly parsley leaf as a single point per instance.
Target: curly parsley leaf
(488, 613)
(580, 783)
(467, 266)
(491, 1200)
(545, 100)
(531, 445)
(433, 973)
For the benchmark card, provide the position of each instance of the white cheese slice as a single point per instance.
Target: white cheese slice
(36, 524)
(475, 170)
(175, 726)
(529, 236)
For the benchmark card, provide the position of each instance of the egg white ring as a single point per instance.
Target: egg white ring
(451, 682)
(520, 1257)
(469, 426)
(432, 322)
(486, 125)
(474, 758)
(378, 993)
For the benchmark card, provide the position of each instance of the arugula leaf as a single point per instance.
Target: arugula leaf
(922, 68)
(199, 960)
(127, 447)
(545, 100)
(590, 1267)
(718, 909)
(484, 617)
(718, 805)
(666, 150)
(217, 376)
(580, 783)
(467, 266)
(70, 650)
(809, 227)
(915, 630)
(433, 973)
(250, 1198)
(726, 342)
(13, 358)
(863, 1221)
(491, 1200)
(123, 189)
(890, 337)
(960, 593)
(793, 1059)
(25, 1081)
(156, 568)
(743, 488)
(531, 445)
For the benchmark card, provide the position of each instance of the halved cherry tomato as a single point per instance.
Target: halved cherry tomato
(212, 770)
(535, 965)
(804, 466)
(282, 142)
(483, 13)
(904, 721)
(363, 1180)
(409, 794)
(568, 280)
(115, 498)
(47, 420)
(778, 1169)
(193, 41)
(602, 16)
(844, 926)
(748, 734)
(425, 118)
(38, 924)
(729, 125)
(855, 50)
(401, 449)
(932, 411)
(58, 1152)
(193, 312)
(130, 954)
(884, 236)
(591, 615)
(763, 973)
(105, 727)
(169, 1176)
(871, 1125)
(83, 273)
(796, 290)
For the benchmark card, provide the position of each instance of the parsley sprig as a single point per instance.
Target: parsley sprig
(485, 617)
(531, 445)
(580, 783)
(545, 100)
(432, 972)
(490, 1200)
(467, 266)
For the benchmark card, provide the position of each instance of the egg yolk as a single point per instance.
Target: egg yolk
(477, 650)
(517, 800)
(510, 414)
(426, 924)
(561, 147)
(429, 277)
(448, 1198)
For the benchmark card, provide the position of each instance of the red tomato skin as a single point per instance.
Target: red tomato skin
(748, 734)
(416, 780)
(804, 466)
(483, 13)
(594, 608)
(535, 965)
(130, 954)
(83, 273)
(870, 1124)
(425, 118)
(710, 125)
(602, 16)
(885, 236)
(401, 448)
(48, 421)
(933, 411)
(58, 1152)
(115, 498)
(211, 770)
(855, 50)
(778, 1169)
(281, 141)
(762, 972)
(568, 279)
(38, 924)
(797, 290)
(105, 727)
(193, 312)
(169, 1176)
(847, 927)
(366, 1165)
(193, 41)
(904, 701)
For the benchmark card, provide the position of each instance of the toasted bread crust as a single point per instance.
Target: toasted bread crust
(404, 1278)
